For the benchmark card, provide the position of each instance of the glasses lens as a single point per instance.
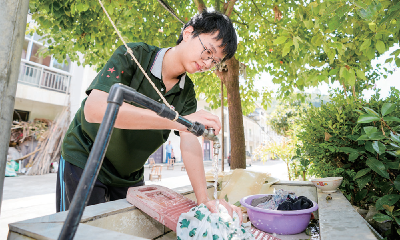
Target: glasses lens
(206, 54)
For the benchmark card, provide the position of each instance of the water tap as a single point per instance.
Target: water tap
(210, 135)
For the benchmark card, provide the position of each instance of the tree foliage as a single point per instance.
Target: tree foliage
(300, 43)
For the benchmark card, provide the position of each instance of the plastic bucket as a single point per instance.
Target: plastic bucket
(277, 221)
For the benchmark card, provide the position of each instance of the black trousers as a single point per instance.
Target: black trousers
(68, 177)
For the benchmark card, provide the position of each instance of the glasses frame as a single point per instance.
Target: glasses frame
(214, 63)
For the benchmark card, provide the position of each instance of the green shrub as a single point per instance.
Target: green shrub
(359, 141)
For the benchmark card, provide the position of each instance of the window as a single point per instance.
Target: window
(20, 115)
(249, 133)
(36, 50)
(62, 66)
(33, 48)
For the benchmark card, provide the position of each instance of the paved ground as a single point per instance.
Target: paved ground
(27, 197)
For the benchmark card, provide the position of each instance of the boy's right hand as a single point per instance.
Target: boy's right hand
(205, 118)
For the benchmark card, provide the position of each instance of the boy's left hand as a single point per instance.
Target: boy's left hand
(213, 208)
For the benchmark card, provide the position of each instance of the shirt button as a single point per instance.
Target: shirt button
(159, 100)
(162, 89)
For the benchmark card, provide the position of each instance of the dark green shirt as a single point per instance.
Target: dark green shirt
(128, 150)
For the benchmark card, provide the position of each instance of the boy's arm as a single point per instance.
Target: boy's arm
(193, 159)
(129, 116)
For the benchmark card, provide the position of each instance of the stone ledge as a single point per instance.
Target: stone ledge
(339, 220)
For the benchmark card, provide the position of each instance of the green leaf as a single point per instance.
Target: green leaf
(397, 62)
(364, 181)
(361, 74)
(367, 118)
(369, 148)
(371, 111)
(376, 136)
(391, 119)
(361, 195)
(379, 147)
(280, 40)
(365, 44)
(351, 77)
(353, 156)
(362, 173)
(363, 137)
(237, 204)
(333, 71)
(348, 150)
(226, 198)
(82, 7)
(380, 46)
(389, 200)
(395, 138)
(398, 223)
(379, 217)
(393, 165)
(370, 130)
(286, 50)
(372, 26)
(378, 167)
(396, 183)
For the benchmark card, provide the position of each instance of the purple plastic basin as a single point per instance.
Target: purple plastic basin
(277, 221)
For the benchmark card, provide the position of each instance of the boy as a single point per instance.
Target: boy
(207, 39)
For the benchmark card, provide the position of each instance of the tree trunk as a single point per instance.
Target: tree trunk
(223, 128)
(230, 78)
(288, 171)
(12, 27)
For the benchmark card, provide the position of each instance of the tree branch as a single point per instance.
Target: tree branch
(229, 9)
(240, 17)
(259, 12)
(241, 23)
(200, 5)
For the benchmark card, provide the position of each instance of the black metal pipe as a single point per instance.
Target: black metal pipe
(118, 93)
(90, 173)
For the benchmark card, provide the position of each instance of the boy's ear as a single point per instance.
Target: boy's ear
(187, 33)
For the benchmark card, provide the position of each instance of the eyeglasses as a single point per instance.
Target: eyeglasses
(207, 54)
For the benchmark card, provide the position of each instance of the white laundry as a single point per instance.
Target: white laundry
(200, 223)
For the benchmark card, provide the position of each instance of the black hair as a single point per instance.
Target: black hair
(211, 22)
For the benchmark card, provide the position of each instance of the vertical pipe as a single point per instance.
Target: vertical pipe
(12, 27)
(223, 127)
(90, 173)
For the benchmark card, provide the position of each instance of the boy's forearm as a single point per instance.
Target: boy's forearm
(193, 159)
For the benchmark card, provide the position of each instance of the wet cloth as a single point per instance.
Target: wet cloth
(279, 197)
(200, 223)
(295, 204)
(282, 200)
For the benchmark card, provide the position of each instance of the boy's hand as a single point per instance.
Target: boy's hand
(205, 118)
(211, 206)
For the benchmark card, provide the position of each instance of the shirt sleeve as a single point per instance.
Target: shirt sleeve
(120, 68)
(190, 105)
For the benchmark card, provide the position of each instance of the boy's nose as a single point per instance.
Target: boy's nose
(208, 63)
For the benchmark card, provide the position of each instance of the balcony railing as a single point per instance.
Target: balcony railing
(43, 77)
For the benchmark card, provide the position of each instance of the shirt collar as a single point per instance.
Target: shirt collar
(157, 67)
